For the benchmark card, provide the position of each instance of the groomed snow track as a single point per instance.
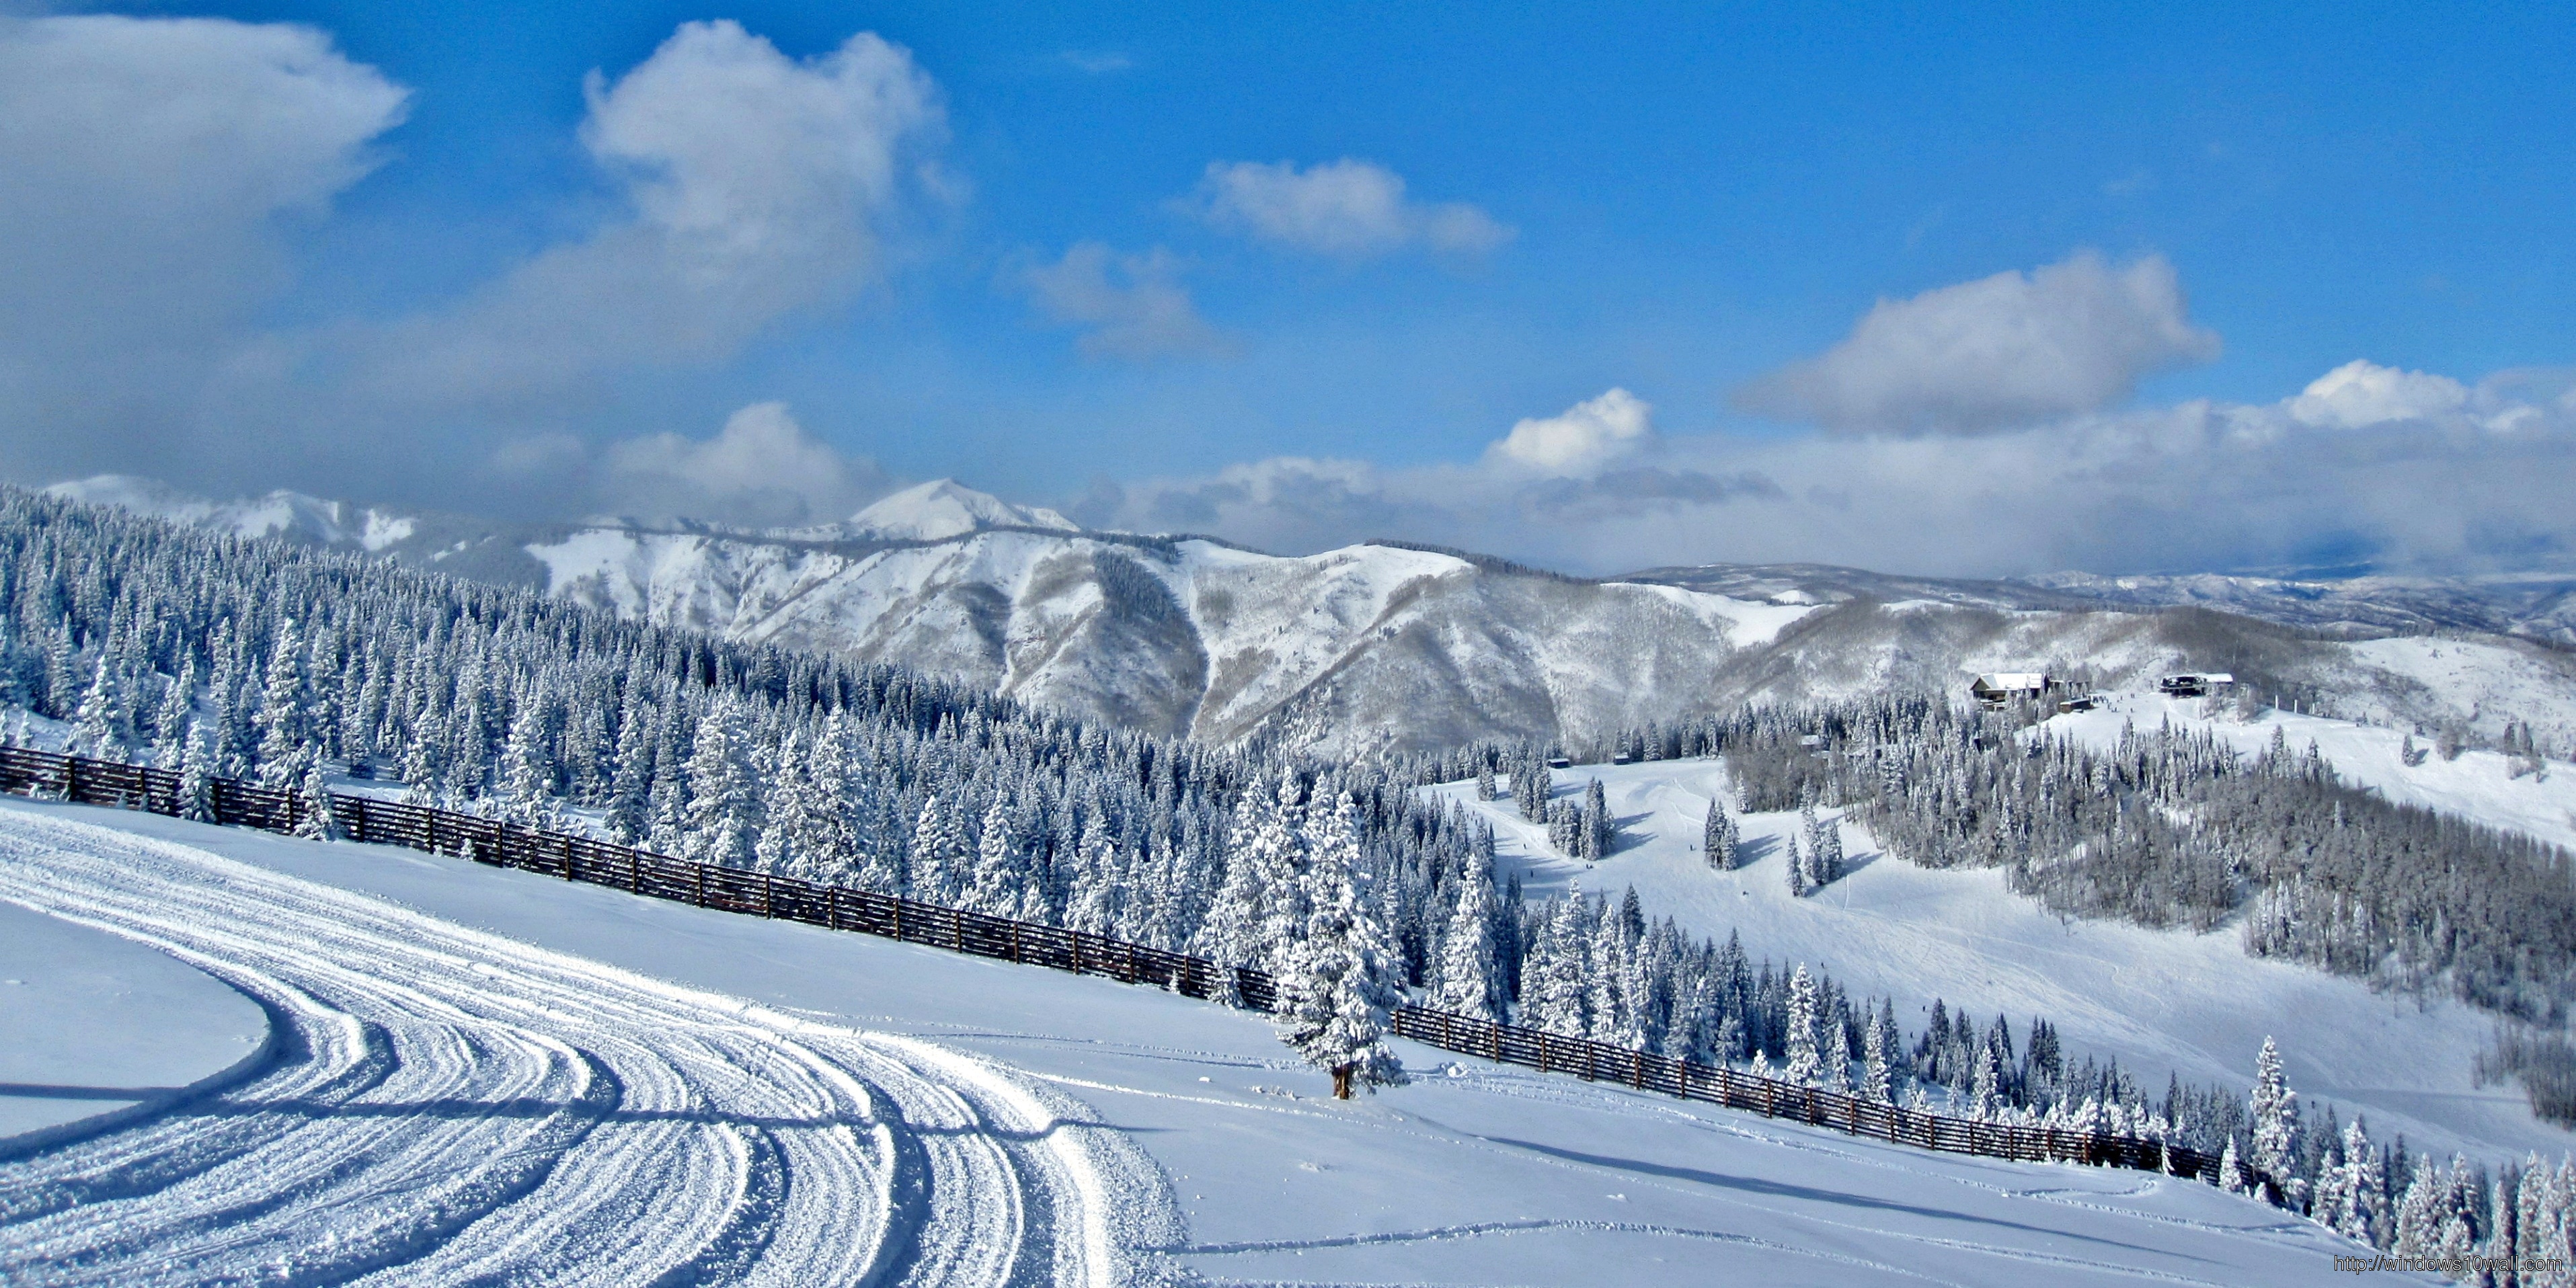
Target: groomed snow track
(447, 1106)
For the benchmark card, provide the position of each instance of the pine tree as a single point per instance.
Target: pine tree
(723, 818)
(1337, 987)
(2273, 1110)
(197, 780)
(1803, 1062)
(281, 709)
(1876, 1080)
(314, 819)
(1470, 976)
(1484, 780)
(100, 727)
(1717, 837)
(939, 853)
(1796, 868)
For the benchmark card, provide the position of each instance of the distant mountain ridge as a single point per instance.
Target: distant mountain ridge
(1391, 646)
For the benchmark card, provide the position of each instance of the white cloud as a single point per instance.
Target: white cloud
(1130, 306)
(149, 169)
(1988, 355)
(1581, 439)
(762, 187)
(2361, 393)
(762, 469)
(1347, 208)
(2196, 486)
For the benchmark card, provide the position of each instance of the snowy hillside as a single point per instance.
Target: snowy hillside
(1375, 646)
(505, 1075)
(2482, 786)
(2160, 1001)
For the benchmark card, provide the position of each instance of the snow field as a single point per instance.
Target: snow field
(447, 1106)
(97, 1024)
(2159, 1002)
(1473, 1175)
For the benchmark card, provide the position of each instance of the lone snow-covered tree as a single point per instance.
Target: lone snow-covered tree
(1337, 982)
(1797, 868)
(1484, 780)
(1717, 837)
(1595, 824)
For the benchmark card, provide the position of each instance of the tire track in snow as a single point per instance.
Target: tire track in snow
(450, 1106)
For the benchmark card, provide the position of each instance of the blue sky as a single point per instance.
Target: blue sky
(1680, 203)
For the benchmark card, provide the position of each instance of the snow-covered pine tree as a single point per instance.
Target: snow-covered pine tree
(1484, 780)
(313, 817)
(1796, 868)
(2273, 1112)
(1553, 979)
(1337, 982)
(281, 709)
(1593, 823)
(101, 727)
(1876, 1080)
(1800, 1046)
(1718, 836)
(197, 780)
(724, 804)
(1470, 977)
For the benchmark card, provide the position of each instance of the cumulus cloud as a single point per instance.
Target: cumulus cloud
(761, 470)
(1996, 353)
(149, 169)
(1128, 306)
(1348, 209)
(761, 187)
(2362, 393)
(1581, 439)
(2200, 485)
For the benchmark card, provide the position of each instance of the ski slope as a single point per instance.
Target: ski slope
(447, 1106)
(1475, 1174)
(2160, 1002)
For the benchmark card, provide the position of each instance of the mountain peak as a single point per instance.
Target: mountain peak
(944, 508)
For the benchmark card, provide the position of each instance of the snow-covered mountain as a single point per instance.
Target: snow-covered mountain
(941, 509)
(1380, 646)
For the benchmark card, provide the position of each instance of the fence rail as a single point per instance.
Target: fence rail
(574, 858)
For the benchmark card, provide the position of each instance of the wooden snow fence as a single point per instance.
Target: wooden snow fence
(572, 858)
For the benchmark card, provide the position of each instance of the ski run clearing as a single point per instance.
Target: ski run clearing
(479, 1075)
(2159, 1002)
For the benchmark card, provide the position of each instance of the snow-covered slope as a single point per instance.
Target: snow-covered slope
(2478, 785)
(446, 1106)
(2159, 1001)
(1473, 1175)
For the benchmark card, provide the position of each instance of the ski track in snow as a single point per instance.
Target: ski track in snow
(450, 1106)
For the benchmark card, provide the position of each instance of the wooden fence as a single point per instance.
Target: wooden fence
(573, 858)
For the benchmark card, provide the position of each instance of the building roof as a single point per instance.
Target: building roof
(2014, 680)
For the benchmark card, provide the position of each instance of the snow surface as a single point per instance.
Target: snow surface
(2159, 1002)
(1473, 1175)
(448, 1106)
(944, 508)
(99, 1026)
